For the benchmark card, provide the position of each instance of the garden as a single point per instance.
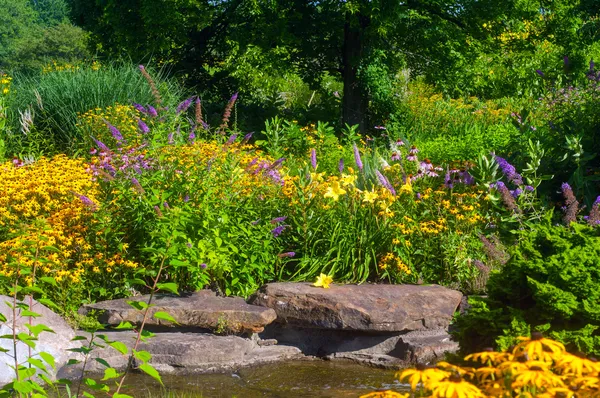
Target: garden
(135, 163)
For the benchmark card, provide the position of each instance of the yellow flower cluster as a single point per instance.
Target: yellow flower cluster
(56, 67)
(392, 261)
(5, 82)
(40, 211)
(536, 367)
(123, 117)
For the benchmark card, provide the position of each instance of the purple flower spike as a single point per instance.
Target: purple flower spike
(287, 254)
(278, 220)
(114, 131)
(192, 137)
(143, 127)
(247, 138)
(539, 72)
(140, 108)
(231, 139)
(313, 158)
(152, 111)
(101, 146)
(87, 202)
(278, 230)
(184, 105)
(170, 138)
(203, 265)
(385, 182)
(509, 171)
(357, 158)
(341, 165)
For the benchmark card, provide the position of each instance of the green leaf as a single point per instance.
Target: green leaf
(178, 263)
(170, 287)
(52, 249)
(149, 370)
(37, 363)
(2, 318)
(143, 356)
(49, 280)
(48, 358)
(121, 347)
(78, 338)
(138, 305)
(124, 325)
(146, 334)
(30, 313)
(136, 281)
(165, 316)
(102, 362)
(23, 387)
(121, 396)
(73, 362)
(37, 329)
(94, 385)
(110, 373)
(88, 395)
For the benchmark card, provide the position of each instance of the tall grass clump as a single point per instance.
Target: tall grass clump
(58, 95)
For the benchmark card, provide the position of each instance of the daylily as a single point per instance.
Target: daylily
(323, 281)
(370, 196)
(334, 191)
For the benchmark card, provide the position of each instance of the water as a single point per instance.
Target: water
(293, 379)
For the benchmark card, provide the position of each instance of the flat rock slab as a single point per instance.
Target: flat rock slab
(203, 310)
(186, 353)
(370, 308)
(56, 343)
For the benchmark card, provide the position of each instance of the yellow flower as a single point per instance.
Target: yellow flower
(334, 191)
(323, 281)
(406, 188)
(370, 196)
(348, 179)
(420, 375)
(385, 394)
(453, 387)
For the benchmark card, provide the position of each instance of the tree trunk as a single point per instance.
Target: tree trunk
(354, 104)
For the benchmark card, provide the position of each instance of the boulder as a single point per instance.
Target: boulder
(202, 310)
(186, 353)
(369, 308)
(55, 343)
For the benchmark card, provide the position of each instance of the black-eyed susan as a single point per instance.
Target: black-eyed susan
(539, 348)
(421, 375)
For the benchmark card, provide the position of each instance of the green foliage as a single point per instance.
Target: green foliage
(549, 284)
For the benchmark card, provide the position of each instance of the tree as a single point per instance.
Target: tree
(342, 37)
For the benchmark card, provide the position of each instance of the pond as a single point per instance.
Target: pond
(290, 380)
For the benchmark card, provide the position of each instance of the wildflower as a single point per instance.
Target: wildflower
(143, 126)
(313, 158)
(158, 212)
(384, 181)
(421, 374)
(571, 204)
(140, 108)
(137, 186)
(412, 156)
(348, 179)
(278, 220)
(323, 281)
(247, 138)
(539, 72)
(453, 386)
(278, 230)
(594, 216)
(87, 202)
(400, 143)
(536, 374)
(396, 156)
(203, 265)
(370, 196)
(192, 137)
(357, 158)
(507, 198)
(170, 139)
(184, 105)
(286, 255)
(341, 165)
(538, 348)
(407, 187)
(334, 191)
(152, 111)
(101, 146)
(227, 113)
(509, 171)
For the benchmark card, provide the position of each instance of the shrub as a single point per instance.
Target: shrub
(549, 284)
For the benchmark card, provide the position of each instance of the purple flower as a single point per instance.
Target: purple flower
(203, 265)
(448, 180)
(140, 108)
(143, 127)
(529, 188)
(278, 220)
(87, 202)
(357, 158)
(380, 128)
(192, 136)
(384, 181)
(184, 105)
(152, 111)
(571, 204)
(539, 72)
(247, 138)
(313, 158)
(418, 195)
(114, 131)
(516, 193)
(186, 198)
(277, 163)
(166, 205)
(566, 60)
(189, 245)
(93, 151)
(231, 139)
(509, 171)
(101, 146)
(170, 138)
(278, 230)
(287, 254)
(341, 165)
(158, 212)
(396, 156)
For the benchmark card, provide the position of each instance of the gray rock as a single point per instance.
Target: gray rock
(371, 308)
(387, 349)
(201, 309)
(55, 344)
(187, 353)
